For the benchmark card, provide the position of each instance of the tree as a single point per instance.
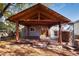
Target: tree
(8, 10)
(3, 9)
(2, 26)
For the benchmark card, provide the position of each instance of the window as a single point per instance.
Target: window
(32, 29)
(55, 33)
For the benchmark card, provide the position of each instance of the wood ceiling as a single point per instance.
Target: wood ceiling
(38, 15)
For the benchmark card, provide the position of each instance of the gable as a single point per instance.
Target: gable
(39, 14)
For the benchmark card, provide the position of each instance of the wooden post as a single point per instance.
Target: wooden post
(27, 31)
(17, 31)
(60, 34)
(73, 34)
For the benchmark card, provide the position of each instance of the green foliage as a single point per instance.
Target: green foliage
(2, 26)
(1, 6)
(7, 14)
(9, 25)
(19, 6)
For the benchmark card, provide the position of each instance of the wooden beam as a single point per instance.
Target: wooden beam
(48, 15)
(36, 20)
(27, 31)
(17, 31)
(28, 23)
(24, 12)
(54, 14)
(25, 16)
(38, 15)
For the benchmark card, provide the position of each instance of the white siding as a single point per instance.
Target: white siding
(76, 28)
(52, 29)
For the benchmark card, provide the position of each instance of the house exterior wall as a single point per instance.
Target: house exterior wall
(76, 28)
(34, 32)
(52, 29)
(37, 31)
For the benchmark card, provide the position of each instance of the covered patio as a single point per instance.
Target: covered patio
(38, 15)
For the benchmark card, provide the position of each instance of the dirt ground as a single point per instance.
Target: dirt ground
(9, 49)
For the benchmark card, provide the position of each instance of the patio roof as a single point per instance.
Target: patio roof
(38, 15)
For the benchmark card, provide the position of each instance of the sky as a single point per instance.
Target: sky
(69, 10)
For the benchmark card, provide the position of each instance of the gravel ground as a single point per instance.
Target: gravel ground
(8, 49)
